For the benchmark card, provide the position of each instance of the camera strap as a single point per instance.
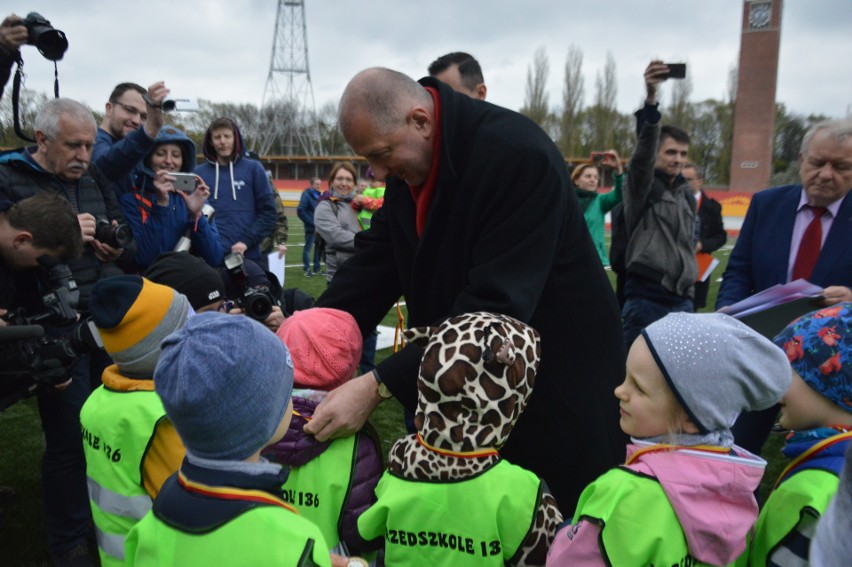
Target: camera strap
(16, 93)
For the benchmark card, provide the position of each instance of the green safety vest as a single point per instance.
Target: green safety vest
(117, 427)
(265, 535)
(319, 488)
(807, 492)
(477, 521)
(365, 217)
(637, 521)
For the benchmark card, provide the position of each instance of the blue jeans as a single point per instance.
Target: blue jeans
(639, 312)
(66, 500)
(306, 253)
(368, 353)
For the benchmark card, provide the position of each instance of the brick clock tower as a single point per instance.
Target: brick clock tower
(754, 114)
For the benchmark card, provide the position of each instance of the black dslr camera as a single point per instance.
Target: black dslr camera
(32, 361)
(50, 42)
(255, 301)
(117, 236)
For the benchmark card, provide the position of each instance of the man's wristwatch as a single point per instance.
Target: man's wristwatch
(357, 562)
(384, 393)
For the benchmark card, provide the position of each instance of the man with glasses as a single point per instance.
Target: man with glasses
(132, 120)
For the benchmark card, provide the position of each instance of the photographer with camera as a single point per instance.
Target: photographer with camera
(43, 225)
(60, 164)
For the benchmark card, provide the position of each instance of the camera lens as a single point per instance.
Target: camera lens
(257, 306)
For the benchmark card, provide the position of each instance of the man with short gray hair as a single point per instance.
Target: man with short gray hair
(60, 163)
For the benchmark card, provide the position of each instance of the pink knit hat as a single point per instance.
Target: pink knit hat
(325, 345)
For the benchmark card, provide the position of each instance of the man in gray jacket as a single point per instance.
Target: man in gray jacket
(659, 212)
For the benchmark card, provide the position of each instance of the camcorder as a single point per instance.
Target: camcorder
(255, 301)
(33, 360)
(117, 236)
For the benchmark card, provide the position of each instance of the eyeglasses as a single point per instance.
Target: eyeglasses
(132, 111)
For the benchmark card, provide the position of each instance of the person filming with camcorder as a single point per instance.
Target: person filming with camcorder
(37, 235)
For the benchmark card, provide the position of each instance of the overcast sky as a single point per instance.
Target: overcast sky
(220, 50)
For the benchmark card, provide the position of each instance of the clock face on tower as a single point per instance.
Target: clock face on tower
(759, 15)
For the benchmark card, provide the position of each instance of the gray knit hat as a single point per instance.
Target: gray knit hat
(225, 382)
(717, 367)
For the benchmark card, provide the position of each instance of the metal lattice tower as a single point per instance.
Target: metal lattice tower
(288, 109)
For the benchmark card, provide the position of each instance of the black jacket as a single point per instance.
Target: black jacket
(20, 178)
(504, 234)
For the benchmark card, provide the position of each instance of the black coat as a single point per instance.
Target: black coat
(712, 237)
(504, 234)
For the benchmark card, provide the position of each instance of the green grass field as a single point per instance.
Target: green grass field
(22, 535)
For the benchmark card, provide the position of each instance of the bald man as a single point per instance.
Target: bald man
(476, 218)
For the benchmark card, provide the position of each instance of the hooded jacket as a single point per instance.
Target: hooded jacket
(664, 507)
(157, 229)
(241, 195)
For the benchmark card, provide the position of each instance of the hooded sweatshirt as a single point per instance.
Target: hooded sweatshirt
(156, 228)
(627, 512)
(241, 195)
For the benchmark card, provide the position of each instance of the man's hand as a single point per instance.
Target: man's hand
(105, 252)
(275, 319)
(239, 247)
(655, 74)
(282, 249)
(835, 294)
(157, 93)
(13, 33)
(345, 410)
(87, 226)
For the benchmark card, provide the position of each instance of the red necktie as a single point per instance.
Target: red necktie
(809, 247)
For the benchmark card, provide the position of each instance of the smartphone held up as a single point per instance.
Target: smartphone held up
(184, 182)
(676, 71)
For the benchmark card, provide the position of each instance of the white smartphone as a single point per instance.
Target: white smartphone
(184, 182)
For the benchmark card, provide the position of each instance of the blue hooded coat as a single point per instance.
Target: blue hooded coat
(156, 228)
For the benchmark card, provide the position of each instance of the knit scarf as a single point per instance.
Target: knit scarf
(585, 198)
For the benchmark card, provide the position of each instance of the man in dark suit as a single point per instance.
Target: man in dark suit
(711, 235)
(797, 231)
(453, 237)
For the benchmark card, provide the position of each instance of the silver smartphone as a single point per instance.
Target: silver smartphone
(184, 182)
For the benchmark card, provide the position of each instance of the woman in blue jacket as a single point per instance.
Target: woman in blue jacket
(158, 214)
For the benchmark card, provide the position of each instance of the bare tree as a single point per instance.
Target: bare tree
(678, 112)
(572, 101)
(331, 138)
(535, 103)
(603, 115)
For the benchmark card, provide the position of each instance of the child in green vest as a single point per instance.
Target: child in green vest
(369, 200)
(130, 446)
(818, 411)
(332, 482)
(225, 383)
(685, 496)
(448, 498)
